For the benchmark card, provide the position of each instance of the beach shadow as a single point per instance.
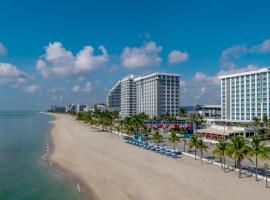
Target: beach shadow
(245, 175)
(227, 170)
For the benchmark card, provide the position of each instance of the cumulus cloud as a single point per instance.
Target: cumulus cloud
(58, 98)
(205, 89)
(229, 55)
(3, 49)
(177, 56)
(199, 76)
(10, 74)
(55, 89)
(59, 62)
(140, 57)
(32, 88)
(76, 88)
(87, 88)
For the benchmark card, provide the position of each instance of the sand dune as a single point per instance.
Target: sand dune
(115, 170)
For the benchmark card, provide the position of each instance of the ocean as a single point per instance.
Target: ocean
(24, 175)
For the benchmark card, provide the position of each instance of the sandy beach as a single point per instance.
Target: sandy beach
(115, 170)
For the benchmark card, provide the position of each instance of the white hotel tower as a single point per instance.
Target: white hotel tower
(244, 95)
(158, 94)
(128, 97)
(155, 94)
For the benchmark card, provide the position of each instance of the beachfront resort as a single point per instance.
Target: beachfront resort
(146, 112)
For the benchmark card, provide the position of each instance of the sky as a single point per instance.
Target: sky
(60, 52)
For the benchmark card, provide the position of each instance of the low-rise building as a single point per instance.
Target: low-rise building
(215, 132)
(209, 111)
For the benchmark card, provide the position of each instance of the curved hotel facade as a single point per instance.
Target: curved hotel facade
(155, 94)
(244, 95)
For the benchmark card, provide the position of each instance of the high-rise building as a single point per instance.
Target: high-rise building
(114, 97)
(244, 95)
(158, 94)
(128, 97)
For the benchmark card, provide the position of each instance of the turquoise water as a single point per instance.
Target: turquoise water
(23, 174)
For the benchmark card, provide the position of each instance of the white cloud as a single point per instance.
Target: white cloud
(3, 49)
(58, 98)
(139, 57)
(59, 62)
(32, 88)
(76, 88)
(10, 74)
(87, 88)
(204, 88)
(264, 47)
(210, 79)
(55, 89)
(229, 55)
(177, 56)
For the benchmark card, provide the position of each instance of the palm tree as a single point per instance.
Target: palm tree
(182, 113)
(193, 117)
(265, 121)
(185, 143)
(260, 150)
(221, 151)
(174, 138)
(193, 143)
(256, 124)
(266, 169)
(239, 150)
(201, 120)
(157, 137)
(201, 145)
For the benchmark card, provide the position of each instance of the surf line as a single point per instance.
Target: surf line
(78, 188)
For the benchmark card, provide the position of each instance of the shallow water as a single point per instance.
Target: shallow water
(24, 138)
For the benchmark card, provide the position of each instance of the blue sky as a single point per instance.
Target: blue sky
(58, 52)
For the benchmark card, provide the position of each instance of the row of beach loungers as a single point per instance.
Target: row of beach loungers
(164, 151)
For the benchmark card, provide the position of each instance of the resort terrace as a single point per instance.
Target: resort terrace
(225, 132)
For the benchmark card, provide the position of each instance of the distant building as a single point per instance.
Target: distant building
(245, 95)
(158, 94)
(70, 108)
(87, 108)
(100, 106)
(55, 108)
(113, 100)
(209, 111)
(128, 97)
(80, 108)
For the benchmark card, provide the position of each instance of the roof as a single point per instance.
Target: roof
(209, 106)
(218, 131)
(127, 78)
(115, 86)
(266, 69)
(154, 74)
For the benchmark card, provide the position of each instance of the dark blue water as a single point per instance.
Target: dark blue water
(23, 175)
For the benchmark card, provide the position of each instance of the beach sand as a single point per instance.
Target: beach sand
(114, 170)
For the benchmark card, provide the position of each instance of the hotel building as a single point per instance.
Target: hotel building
(113, 100)
(155, 94)
(244, 95)
(128, 97)
(158, 94)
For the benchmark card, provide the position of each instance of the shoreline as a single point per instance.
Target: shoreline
(61, 172)
(112, 169)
